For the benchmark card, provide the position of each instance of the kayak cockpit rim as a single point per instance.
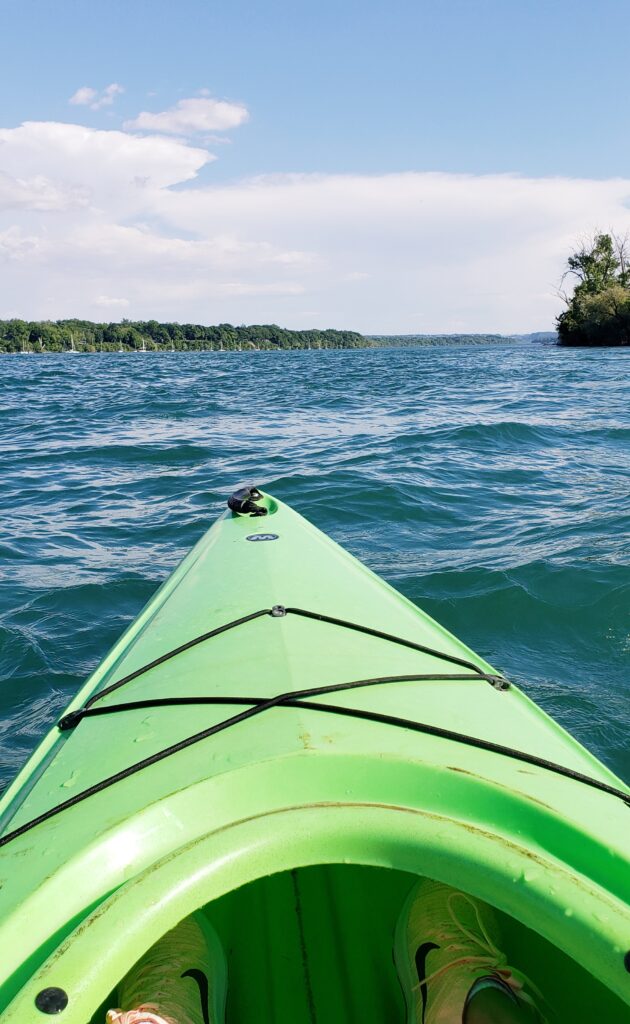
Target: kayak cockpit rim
(387, 836)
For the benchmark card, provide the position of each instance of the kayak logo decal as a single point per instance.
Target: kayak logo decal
(262, 536)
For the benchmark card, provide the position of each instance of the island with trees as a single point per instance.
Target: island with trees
(598, 311)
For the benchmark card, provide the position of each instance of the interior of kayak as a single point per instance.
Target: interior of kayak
(316, 944)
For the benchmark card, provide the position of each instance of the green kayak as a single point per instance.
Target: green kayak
(282, 743)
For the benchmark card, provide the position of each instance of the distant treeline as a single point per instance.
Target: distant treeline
(437, 339)
(149, 335)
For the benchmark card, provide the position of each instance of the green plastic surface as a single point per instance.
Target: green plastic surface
(299, 833)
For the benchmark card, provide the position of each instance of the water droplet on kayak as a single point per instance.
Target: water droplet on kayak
(568, 912)
(148, 733)
(143, 737)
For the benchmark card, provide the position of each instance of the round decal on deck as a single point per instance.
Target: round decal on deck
(262, 536)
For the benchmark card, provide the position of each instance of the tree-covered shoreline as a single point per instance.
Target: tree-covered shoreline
(150, 336)
(421, 340)
(85, 336)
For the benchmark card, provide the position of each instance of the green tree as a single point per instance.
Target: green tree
(595, 265)
(598, 312)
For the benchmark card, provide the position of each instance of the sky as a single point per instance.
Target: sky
(408, 167)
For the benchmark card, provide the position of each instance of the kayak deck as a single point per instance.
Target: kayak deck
(229, 577)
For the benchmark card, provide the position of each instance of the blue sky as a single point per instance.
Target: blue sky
(346, 96)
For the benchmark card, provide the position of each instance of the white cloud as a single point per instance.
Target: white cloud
(88, 97)
(83, 96)
(37, 193)
(108, 96)
(91, 221)
(192, 116)
(111, 303)
(110, 168)
(17, 246)
(437, 252)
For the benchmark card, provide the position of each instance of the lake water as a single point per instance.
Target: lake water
(489, 484)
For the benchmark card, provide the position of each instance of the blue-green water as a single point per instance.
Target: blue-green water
(490, 485)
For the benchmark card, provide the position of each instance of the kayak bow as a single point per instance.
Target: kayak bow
(280, 741)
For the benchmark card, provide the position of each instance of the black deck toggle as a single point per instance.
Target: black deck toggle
(244, 502)
(70, 720)
(51, 1000)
